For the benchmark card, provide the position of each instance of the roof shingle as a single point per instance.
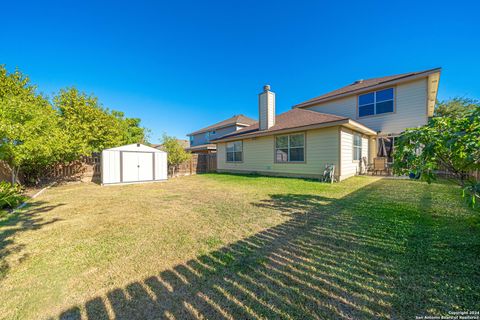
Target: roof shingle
(363, 84)
(236, 119)
(294, 118)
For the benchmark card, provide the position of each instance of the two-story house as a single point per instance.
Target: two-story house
(341, 127)
(200, 140)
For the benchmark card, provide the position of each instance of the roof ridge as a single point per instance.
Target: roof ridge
(226, 122)
(363, 85)
(403, 74)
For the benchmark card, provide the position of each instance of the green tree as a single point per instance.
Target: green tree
(30, 136)
(456, 107)
(132, 131)
(176, 154)
(87, 124)
(93, 128)
(34, 135)
(452, 142)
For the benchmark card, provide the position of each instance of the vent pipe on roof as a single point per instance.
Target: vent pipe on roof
(358, 81)
(266, 108)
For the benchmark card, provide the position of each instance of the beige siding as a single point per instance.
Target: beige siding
(410, 109)
(350, 167)
(263, 111)
(258, 155)
(266, 110)
(206, 137)
(271, 109)
(365, 147)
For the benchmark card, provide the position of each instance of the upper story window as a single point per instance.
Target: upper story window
(191, 140)
(235, 151)
(290, 148)
(376, 102)
(213, 132)
(357, 147)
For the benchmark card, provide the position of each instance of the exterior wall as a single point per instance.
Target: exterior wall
(271, 109)
(205, 137)
(262, 111)
(110, 166)
(365, 147)
(258, 155)
(161, 166)
(114, 166)
(266, 105)
(410, 109)
(350, 167)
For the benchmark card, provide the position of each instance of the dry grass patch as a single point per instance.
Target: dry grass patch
(226, 246)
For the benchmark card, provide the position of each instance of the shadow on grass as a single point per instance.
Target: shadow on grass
(256, 176)
(29, 218)
(335, 258)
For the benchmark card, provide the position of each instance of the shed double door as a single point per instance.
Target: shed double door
(137, 166)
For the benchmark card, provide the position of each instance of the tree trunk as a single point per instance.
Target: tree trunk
(15, 172)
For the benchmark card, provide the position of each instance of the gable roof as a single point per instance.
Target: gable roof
(135, 147)
(235, 120)
(366, 85)
(295, 119)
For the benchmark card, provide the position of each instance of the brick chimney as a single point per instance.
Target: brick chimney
(266, 108)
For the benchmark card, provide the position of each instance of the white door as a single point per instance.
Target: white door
(137, 166)
(145, 166)
(129, 166)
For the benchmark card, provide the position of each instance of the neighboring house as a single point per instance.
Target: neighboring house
(340, 128)
(200, 140)
(184, 143)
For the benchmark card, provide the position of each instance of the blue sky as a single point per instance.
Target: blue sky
(184, 65)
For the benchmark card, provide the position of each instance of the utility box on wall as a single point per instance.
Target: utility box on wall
(133, 163)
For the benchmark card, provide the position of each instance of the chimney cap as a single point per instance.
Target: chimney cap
(266, 87)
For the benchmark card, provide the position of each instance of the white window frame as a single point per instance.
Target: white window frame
(289, 147)
(234, 151)
(375, 103)
(356, 148)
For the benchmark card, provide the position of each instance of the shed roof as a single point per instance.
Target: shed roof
(135, 147)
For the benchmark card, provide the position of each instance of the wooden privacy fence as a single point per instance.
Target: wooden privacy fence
(444, 173)
(198, 163)
(87, 168)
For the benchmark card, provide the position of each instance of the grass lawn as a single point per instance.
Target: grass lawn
(226, 246)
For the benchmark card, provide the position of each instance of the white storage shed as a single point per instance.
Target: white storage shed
(133, 163)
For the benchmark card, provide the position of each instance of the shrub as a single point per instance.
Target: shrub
(10, 195)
